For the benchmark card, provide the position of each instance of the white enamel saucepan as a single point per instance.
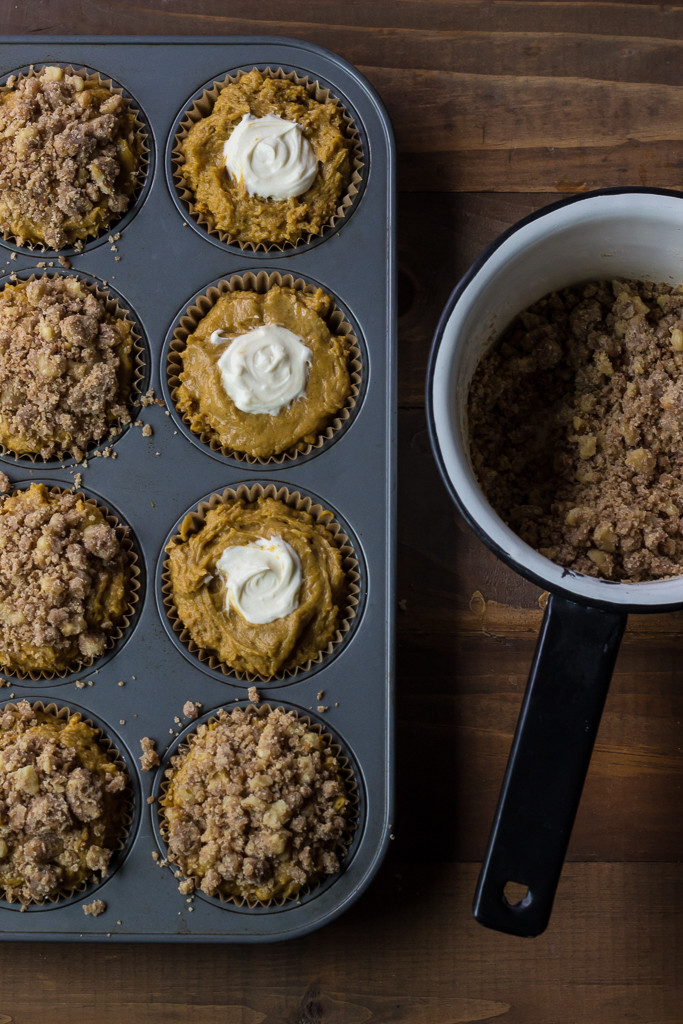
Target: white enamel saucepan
(624, 233)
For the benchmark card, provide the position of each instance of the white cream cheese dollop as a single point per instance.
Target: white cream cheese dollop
(265, 369)
(271, 156)
(263, 579)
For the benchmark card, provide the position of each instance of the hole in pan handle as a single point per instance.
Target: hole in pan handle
(570, 675)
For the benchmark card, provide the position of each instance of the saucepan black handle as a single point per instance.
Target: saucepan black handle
(551, 749)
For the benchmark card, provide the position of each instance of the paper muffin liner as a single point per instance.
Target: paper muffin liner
(127, 799)
(346, 771)
(93, 78)
(260, 283)
(124, 536)
(203, 106)
(114, 309)
(320, 515)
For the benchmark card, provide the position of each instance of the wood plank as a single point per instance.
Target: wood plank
(503, 97)
(408, 953)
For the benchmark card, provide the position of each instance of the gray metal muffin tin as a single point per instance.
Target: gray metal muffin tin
(164, 262)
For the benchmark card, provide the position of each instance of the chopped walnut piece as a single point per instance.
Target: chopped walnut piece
(148, 758)
(190, 709)
(260, 802)
(69, 157)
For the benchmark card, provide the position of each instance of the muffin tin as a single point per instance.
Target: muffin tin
(158, 265)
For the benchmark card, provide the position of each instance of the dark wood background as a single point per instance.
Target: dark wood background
(498, 107)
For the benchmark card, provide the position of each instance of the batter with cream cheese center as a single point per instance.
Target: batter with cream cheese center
(262, 373)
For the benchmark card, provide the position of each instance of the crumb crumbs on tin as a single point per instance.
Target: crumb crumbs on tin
(148, 758)
(95, 908)
(191, 709)
(254, 695)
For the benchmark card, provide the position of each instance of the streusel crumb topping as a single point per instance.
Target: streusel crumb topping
(69, 156)
(62, 803)
(63, 580)
(65, 367)
(257, 807)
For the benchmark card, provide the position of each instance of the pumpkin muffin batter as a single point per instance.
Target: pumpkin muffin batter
(65, 367)
(256, 808)
(259, 368)
(261, 584)
(224, 199)
(69, 157)
(63, 803)
(64, 581)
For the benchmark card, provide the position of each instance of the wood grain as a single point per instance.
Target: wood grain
(499, 107)
(506, 96)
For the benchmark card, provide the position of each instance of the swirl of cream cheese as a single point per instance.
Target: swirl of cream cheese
(263, 579)
(271, 156)
(265, 369)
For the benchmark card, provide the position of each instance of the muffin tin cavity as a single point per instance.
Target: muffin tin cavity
(84, 668)
(155, 477)
(339, 321)
(346, 848)
(200, 105)
(352, 564)
(118, 307)
(144, 174)
(111, 744)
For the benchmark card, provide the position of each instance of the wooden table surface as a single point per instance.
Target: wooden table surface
(498, 108)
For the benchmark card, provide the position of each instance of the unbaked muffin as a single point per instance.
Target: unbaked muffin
(65, 581)
(268, 163)
(63, 803)
(66, 367)
(256, 807)
(260, 585)
(70, 156)
(262, 374)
